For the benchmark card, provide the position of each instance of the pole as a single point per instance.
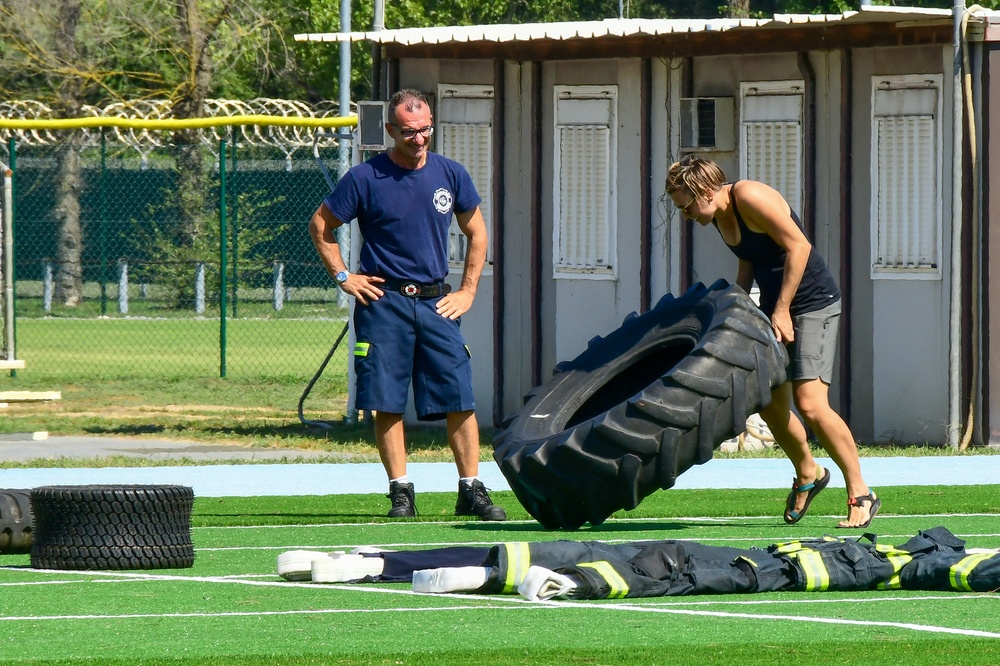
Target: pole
(378, 24)
(343, 232)
(236, 229)
(103, 227)
(8, 257)
(955, 307)
(223, 306)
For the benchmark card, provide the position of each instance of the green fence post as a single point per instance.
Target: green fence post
(236, 228)
(103, 228)
(222, 258)
(12, 151)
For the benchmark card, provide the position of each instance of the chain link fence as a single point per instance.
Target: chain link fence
(170, 255)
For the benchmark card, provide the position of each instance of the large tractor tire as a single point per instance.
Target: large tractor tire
(15, 522)
(112, 527)
(640, 406)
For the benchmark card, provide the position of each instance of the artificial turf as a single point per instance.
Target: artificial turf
(231, 607)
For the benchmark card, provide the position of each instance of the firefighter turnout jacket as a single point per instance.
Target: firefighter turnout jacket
(934, 559)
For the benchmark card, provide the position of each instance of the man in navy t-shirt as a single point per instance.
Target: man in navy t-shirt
(406, 319)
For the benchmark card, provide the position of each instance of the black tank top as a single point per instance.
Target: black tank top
(817, 289)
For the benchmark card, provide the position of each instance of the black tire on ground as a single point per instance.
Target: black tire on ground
(640, 406)
(112, 527)
(15, 522)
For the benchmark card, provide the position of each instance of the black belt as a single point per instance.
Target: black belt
(416, 289)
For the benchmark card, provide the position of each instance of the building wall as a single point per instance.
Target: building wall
(991, 232)
(519, 285)
(580, 308)
(900, 337)
(895, 334)
(721, 76)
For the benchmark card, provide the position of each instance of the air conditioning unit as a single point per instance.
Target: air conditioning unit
(708, 124)
(371, 126)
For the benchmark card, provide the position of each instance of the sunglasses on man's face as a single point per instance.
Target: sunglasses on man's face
(410, 133)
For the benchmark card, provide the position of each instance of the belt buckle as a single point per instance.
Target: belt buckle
(411, 289)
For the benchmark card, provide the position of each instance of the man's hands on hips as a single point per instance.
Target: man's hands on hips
(455, 304)
(365, 288)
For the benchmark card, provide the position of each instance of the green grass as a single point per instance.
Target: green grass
(87, 350)
(231, 608)
(160, 378)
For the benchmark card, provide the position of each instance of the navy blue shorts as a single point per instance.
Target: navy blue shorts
(399, 339)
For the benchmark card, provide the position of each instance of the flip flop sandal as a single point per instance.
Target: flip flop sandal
(791, 515)
(860, 500)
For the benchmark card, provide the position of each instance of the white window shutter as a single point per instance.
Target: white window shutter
(583, 197)
(584, 209)
(464, 131)
(906, 210)
(906, 216)
(771, 149)
(774, 156)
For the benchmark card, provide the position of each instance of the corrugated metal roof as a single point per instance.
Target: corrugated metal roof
(619, 27)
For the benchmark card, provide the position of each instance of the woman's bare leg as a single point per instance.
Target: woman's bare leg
(790, 435)
(813, 403)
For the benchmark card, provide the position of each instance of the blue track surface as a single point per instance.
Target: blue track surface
(332, 479)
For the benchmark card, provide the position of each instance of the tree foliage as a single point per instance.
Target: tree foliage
(126, 49)
(245, 48)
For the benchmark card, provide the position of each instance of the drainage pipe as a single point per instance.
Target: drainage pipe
(972, 114)
(955, 305)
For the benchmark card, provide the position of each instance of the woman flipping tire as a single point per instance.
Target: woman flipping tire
(640, 406)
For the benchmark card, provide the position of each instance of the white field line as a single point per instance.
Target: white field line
(610, 521)
(318, 611)
(328, 548)
(809, 620)
(491, 603)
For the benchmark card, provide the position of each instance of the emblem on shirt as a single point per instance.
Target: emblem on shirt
(442, 201)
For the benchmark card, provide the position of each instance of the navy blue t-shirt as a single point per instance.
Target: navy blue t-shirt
(404, 214)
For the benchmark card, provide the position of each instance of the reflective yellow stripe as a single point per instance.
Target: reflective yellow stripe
(960, 571)
(361, 348)
(898, 559)
(817, 577)
(788, 547)
(518, 561)
(619, 588)
(891, 550)
(894, 582)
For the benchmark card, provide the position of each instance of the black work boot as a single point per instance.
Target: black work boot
(474, 500)
(401, 495)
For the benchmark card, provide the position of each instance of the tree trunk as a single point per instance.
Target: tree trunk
(69, 253)
(739, 8)
(192, 176)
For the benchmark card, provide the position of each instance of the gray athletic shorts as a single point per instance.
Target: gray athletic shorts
(814, 351)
